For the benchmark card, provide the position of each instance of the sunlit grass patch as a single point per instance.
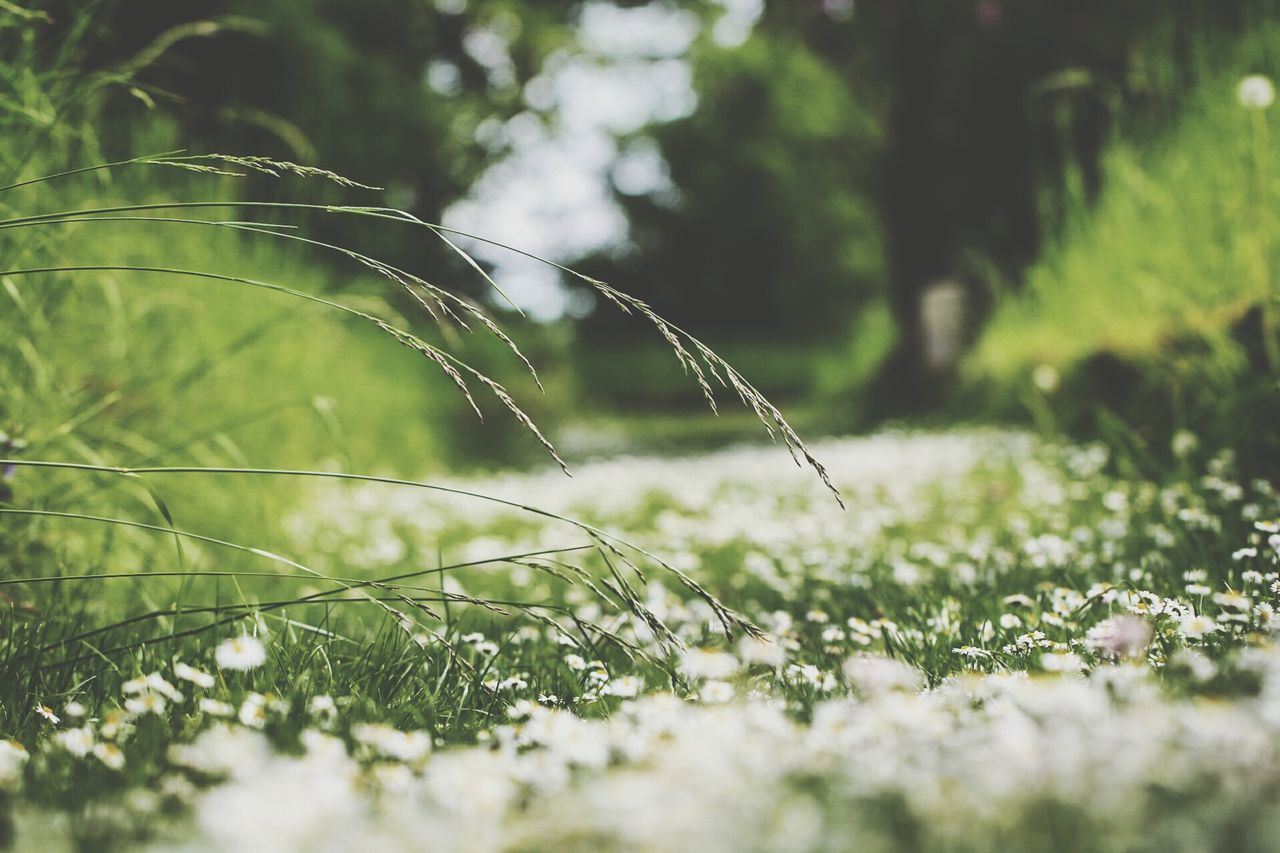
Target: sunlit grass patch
(1178, 245)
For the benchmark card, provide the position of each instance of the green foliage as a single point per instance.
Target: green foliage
(213, 358)
(1173, 248)
(1156, 308)
(775, 214)
(144, 331)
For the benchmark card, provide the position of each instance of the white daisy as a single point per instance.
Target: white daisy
(241, 653)
(189, 673)
(1256, 92)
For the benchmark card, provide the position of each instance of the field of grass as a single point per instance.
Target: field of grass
(977, 640)
(998, 645)
(247, 602)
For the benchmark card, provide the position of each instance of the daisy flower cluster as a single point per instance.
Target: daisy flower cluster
(1001, 644)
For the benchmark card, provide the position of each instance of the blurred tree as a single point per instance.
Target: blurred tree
(976, 122)
(845, 154)
(774, 231)
(851, 151)
(386, 91)
(996, 113)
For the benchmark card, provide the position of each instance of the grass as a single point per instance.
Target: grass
(1179, 245)
(88, 541)
(218, 633)
(794, 372)
(964, 559)
(1154, 310)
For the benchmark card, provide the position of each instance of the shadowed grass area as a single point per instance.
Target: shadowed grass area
(1180, 245)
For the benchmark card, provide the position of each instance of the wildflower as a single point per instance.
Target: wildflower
(320, 744)
(1184, 443)
(1196, 627)
(1115, 501)
(876, 629)
(47, 712)
(1197, 589)
(703, 663)
(393, 778)
(716, 692)
(197, 677)
(1120, 637)
(156, 683)
(1061, 662)
(241, 653)
(1009, 621)
(13, 757)
(1244, 553)
(323, 709)
(222, 750)
(115, 725)
(487, 648)
(575, 662)
(214, 708)
(390, 742)
(1046, 378)
(873, 675)
(971, 652)
(109, 754)
(809, 674)
(1200, 667)
(626, 687)
(253, 711)
(765, 651)
(177, 788)
(146, 703)
(1256, 92)
(74, 710)
(520, 709)
(1232, 601)
(526, 634)
(78, 742)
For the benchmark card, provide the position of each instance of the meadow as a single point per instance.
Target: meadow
(996, 643)
(304, 550)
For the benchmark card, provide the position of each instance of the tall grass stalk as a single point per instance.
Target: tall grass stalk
(411, 608)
